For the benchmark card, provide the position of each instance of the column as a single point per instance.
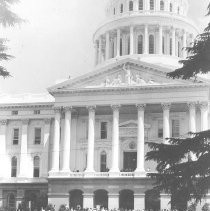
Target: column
(113, 201)
(24, 149)
(136, 5)
(96, 53)
(115, 140)
(192, 117)
(139, 201)
(140, 140)
(131, 40)
(146, 5)
(146, 38)
(3, 157)
(173, 42)
(165, 202)
(204, 107)
(100, 50)
(118, 42)
(88, 200)
(184, 44)
(91, 139)
(56, 141)
(45, 162)
(66, 141)
(160, 40)
(166, 121)
(107, 45)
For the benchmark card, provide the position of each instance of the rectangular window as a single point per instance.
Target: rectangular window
(37, 135)
(14, 113)
(36, 172)
(152, 6)
(160, 129)
(36, 112)
(175, 128)
(104, 130)
(141, 5)
(15, 136)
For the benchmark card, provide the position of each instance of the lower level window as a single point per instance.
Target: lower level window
(103, 162)
(36, 166)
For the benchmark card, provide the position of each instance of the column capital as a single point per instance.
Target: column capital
(203, 105)
(191, 105)
(25, 121)
(115, 107)
(47, 121)
(166, 106)
(141, 107)
(67, 108)
(3, 122)
(91, 108)
(57, 109)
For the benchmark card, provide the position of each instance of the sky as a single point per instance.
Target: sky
(55, 41)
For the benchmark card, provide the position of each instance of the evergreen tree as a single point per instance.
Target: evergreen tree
(7, 19)
(178, 174)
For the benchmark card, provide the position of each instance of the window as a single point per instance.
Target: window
(120, 46)
(140, 44)
(151, 44)
(152, 5)
(37, 112)
(14, 167)
(36, 166)
(179, 49)
(112, 49)
(178, 10)
(175, 128)
(162, 5)
(114, 11)
(160, 129)
(103, 162)
(15, 136)
(104, 130)
(141, 5)
(171, 7)
(11, 202)
(170, 46)
(37, 135)
(130, 5)
(14, 113)
(163, 45)
(121, 8)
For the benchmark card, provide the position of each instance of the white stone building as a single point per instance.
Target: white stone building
(84, 142)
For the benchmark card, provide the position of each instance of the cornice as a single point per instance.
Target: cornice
(27, 106)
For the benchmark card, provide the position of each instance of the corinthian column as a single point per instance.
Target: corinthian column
(107, 45)
(24, 149)
(166, 121)
(173, 42)
(67, 140)
(160, 40)
(140, 140)
(118, 42)
(184, 44)
(131, 40)
(115, 140)
(146, 38)
(91, 140)
(204, 107)
(56, 142)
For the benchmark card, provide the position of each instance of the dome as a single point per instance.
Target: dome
(154, 31)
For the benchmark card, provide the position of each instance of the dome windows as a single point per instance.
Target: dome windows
(151, 44)
(162, 5)
(114, 11)
(171, 7)
(140, 44)
(121, 8)
(130, 5)
(141, 5)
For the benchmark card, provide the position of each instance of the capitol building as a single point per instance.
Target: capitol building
(84, 143)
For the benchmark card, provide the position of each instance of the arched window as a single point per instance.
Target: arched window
(36, 166)
(114, 11)
(163, 45)
(152, 5)
(128, 45)
(162, 5)
(11, 202)
(141, 5)
(14, 167)
(112, 49)
(120, 46)
(130, 5)
(170, 46)
(103, 162)
(140, 44)
(151, 44)
(171, 7)
(179, 49)
(121, 8)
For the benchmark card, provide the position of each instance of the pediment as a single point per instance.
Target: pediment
(126, 73)
(132, 124)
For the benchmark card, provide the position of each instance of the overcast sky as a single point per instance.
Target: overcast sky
(56, 41)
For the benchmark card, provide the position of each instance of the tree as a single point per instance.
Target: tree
(178, 174)
(7, 19)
